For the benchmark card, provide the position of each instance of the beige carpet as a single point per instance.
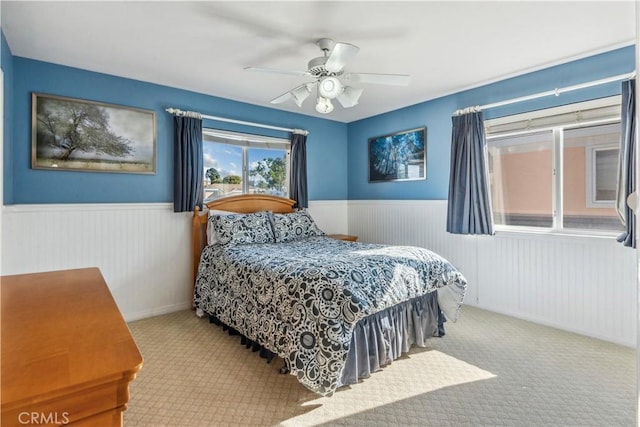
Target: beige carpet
(489, 370)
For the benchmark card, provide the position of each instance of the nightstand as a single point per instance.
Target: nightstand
(343, 237)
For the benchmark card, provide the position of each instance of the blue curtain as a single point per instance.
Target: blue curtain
(188, 164)
(469, 207)
(298, 176)
(627, 165)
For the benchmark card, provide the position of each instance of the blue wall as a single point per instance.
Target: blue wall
(336, 152)
(326, 143)
(6, 62)
(436, 116)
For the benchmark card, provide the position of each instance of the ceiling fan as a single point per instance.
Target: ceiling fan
(328, 72)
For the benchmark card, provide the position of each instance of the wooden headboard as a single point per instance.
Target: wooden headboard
(245, 203)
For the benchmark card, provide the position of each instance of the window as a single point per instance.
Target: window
(602, 168)
(557, 168)
(239, 163)
(520, 175)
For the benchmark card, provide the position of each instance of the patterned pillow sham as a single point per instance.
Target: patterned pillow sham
(212, 237)
(239, 229)
(294, 226)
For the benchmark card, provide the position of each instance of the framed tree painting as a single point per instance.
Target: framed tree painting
(79, 135)
(399, 156)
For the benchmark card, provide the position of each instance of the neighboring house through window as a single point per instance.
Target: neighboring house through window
(602, 168)
(240, 163)
(556, 168)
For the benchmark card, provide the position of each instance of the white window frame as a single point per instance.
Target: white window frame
(247, 142)
(556, 119)
(591, 170)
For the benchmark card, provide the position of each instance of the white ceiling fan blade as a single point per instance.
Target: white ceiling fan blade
(380, 79)
(298, 94)
(282, 98)
(276, 71)
(340, 55)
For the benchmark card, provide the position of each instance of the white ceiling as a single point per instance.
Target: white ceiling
(446, 46)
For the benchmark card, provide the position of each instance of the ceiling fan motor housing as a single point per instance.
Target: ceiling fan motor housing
(316, 67)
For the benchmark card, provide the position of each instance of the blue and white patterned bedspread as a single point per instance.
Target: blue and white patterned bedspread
(302, 299)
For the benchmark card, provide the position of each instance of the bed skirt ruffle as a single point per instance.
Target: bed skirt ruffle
(378, 339)
(382, 337)
(253, 345)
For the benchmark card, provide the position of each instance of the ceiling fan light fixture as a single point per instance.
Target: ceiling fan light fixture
(349, 96)
(300, 93)
(330, 87)
(324, 105)
(330, 79)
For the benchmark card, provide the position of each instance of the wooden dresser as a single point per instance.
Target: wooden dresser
(67, 354)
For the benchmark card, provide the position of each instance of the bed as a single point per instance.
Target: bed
(335, 311)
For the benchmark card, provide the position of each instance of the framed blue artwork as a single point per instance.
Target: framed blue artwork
(400, 156)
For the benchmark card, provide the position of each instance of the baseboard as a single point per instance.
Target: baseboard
(159, 311)
(584, 332)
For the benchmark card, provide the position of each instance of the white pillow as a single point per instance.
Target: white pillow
(212, 237)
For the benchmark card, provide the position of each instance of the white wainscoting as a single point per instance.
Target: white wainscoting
(143, 250)
(330, 215)
(581, 284)
(576, 283)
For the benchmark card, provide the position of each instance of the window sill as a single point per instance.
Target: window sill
(527, 232)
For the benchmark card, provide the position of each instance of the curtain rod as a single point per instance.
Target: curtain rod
(556, 92)
(178, 112)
